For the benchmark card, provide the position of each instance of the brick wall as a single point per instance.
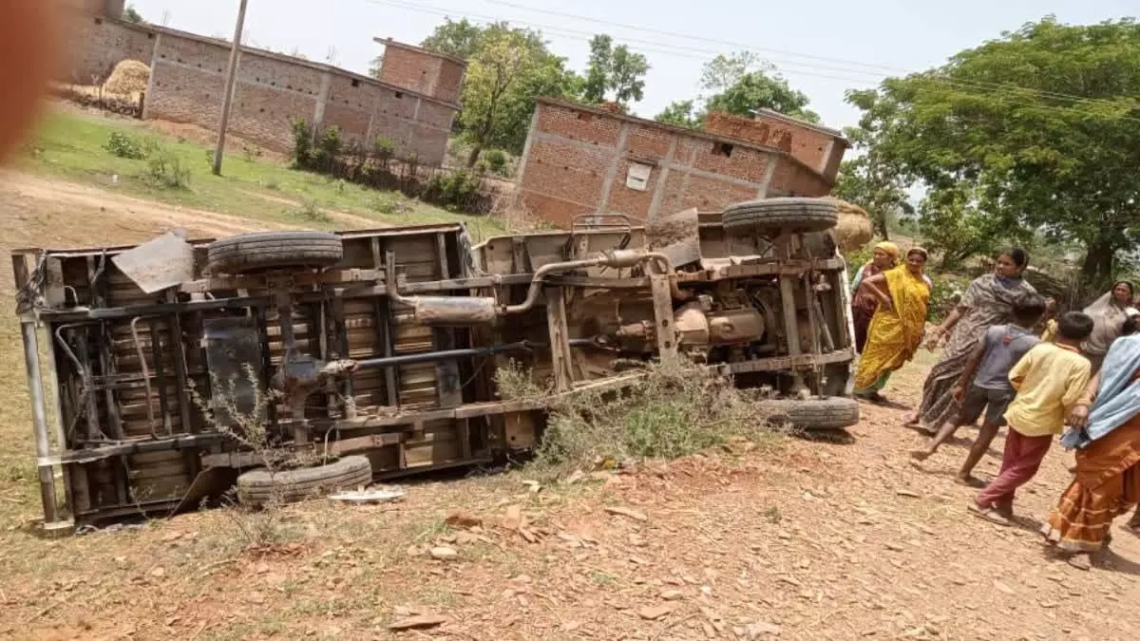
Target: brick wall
(412, 68)
(272, 90)
(96, 45)
(819, 149)
(111, 8)
(578, 159)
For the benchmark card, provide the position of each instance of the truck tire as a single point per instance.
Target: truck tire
(261, 487)
(814, 415)
(800, 215)
(273, 250)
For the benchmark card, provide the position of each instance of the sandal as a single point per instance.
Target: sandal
(1080, 561)
(990, 514)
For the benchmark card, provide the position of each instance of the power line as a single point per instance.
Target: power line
(880, 73)
(683, 36)
(573, 33)
(639, 45)
(1012, 91)
(673, 34)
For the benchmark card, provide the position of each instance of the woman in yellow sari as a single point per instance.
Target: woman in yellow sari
(897, 328)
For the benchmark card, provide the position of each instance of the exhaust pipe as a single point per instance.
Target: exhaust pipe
(468, 310)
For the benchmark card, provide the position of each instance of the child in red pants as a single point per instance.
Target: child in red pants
(1049, 380)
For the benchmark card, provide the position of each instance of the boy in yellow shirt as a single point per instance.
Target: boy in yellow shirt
(1049, 331)
(1049, 380)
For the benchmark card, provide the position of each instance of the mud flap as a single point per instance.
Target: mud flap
(159, 263)
(675, 235)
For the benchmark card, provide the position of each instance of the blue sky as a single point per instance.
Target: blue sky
(823, 47)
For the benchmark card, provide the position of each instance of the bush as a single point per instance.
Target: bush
(302, 144)
(678, 408)
(328, 147)
(166, 171)
(389, 205)
(948, 290)
(857, 258)
(312, 212)
(496, 160)
(124, 146)
(384, 149)
(455, 189)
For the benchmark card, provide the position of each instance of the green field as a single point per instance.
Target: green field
(71, 146)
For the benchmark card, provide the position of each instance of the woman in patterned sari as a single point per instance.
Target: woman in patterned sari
(987, 302)
(896, 330)
(1109, 313)
(1107, 439)
(864, 301)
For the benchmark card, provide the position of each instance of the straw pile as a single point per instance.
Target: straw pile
(854, 229)
(129, 77)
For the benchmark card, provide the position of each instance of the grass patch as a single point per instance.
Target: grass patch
(92, 150)
(675, 410)
(310, 211)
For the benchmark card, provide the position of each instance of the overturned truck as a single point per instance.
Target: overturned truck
(382, 345)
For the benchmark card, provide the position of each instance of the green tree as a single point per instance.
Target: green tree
(375, 66)
(1040, 124)
(738, 84)
(460, 39)
(955, 225)
(130, 14)
(724, 71)
(614, 71)
(682, 113)
(508, 68)
(871, 180)
(742, 83)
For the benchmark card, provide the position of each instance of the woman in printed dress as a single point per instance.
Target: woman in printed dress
(987, 302)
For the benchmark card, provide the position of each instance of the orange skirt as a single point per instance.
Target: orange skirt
(1107, 485)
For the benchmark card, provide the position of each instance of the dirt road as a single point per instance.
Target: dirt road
(813, 540)
(66, 208)
(804, 540)
(87, 213)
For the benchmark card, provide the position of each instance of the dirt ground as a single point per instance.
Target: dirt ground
(795, 540)
(43, 197)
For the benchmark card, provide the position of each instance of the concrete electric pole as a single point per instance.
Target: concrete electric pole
(228, 98)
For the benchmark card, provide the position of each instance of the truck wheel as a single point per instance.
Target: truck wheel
(800, 215)
(273, 250)
(262, 487)
(814, 415)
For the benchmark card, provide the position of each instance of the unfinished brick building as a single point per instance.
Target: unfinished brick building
(412, 104)
(585, 160)
(820, 148)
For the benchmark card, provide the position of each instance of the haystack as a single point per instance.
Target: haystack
(129, 77)
(855, 229)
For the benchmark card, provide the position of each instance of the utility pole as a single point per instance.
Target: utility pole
(228, 99)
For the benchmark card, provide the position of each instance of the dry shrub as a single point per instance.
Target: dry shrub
(676, 409)
(129, 77)
(515, 381)
(164, 170)
(242, 419)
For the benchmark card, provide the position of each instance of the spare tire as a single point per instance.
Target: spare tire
(815, 414)
(799, 215)
(274, 250)
(261, 487)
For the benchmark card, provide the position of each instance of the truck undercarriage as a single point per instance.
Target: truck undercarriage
(384, 344)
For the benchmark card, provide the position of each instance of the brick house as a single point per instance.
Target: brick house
(586, 160)
(412, 104)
